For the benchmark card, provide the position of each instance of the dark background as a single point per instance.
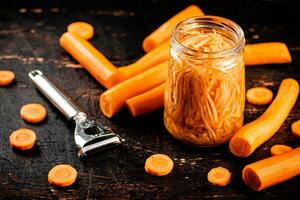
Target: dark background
(29, 33)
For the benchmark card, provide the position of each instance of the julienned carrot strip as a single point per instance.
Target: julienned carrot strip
(164, 32)
(255, 133)
(154, 57)
(146, 102)
(267, 53)
(272, 170)
(112, 100)
(90, 58)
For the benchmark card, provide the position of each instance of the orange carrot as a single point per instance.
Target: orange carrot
(219, 176)
(6, 77)
(296, 128)
(22, 139)
(82, 29)
(90, 58)
(164, 32)
(267, 53)
(259, 96)
(33, 112)
(62, 175)
(154, 57)
(272, 170)
(112, 100)
(146, 102)
(279, 149)
(255, 133)
(159, 165)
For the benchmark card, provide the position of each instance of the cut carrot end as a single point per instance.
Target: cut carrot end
(62, 175)
(6, 77)
(240, 147)
(296, 128)
(159, 165)
(259, 96)
(279, 149)
(149, 44)
(251, 179)
(82, 29)
(22, 139)
(33, 113)
(105, 106)
(219, 176)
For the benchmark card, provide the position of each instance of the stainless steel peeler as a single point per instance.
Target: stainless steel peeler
(89, 135)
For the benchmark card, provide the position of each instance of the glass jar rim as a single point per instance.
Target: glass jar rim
(214, 20)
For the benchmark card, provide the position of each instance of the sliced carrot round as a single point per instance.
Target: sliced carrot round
(33, 112)
(159, 165)
(62, 175)
(82, 29)
(22, 139)
(296, 128)
(279, 149)
(259, 96)
(219, 176)
(6, 77)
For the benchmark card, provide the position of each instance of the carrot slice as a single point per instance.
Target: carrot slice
(159, 165)
(296, 128)
(82, 29)
(114, 99)
(255, 133)
(146, 102)
(149, 60)
(259, 96)
(62, 175)
(90, 58)
(33, 112)
(22, 139)
(164, 32)
(267, 53)
(219, 176)
(6, 77)
(273, 170)
(279, 149)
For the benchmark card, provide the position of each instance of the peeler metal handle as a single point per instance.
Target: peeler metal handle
(63, 102)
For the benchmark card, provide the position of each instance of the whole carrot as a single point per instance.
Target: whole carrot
(152, 58)
(90, 58)
(267, 53)
(164, 32)
(255, 133)
(272, 170)
(112, 100)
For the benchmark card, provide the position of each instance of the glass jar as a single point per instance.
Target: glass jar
(205, 89)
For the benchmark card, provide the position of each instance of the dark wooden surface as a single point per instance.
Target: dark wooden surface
(29, 35)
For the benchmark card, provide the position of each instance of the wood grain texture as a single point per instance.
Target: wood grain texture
(29, 40)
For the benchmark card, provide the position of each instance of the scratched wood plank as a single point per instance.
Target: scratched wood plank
(29, 35)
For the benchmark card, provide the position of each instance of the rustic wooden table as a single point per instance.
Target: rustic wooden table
(29, 40)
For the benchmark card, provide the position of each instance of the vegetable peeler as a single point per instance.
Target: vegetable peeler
(89, 136)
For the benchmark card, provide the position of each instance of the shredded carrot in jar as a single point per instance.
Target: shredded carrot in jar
(205, 94)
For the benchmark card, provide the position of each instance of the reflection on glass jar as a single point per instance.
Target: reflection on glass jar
(205, 89)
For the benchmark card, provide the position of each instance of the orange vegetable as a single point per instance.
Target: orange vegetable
(6, 77)
(159, 165)
(82, 29)
(33, 112)
(22, 139)
(90, 58)
(62, 175)
(255, 133)
(219, 176)
(113, 100)
(296, 128)
(267, 53)
(146, 102)
(164, 32)
(273, 170)
(259, 96)
(154, 57)
(279, 149)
